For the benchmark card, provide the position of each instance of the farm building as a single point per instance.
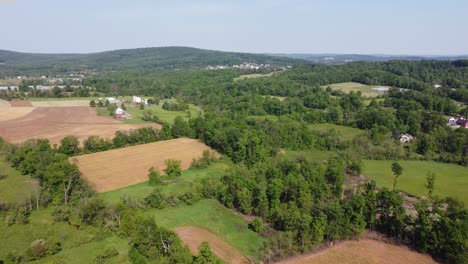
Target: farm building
(139, 100)
(405, 138)
(112, 100)
(120, 113)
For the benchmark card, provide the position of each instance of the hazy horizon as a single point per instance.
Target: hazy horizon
(416, 28)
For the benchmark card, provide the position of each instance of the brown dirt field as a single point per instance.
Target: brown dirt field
(20, 104)
(194, 236)
(117, 168)
(363, 251)
(8, 113)
(55, 123)
(64, 103)
(4, 103)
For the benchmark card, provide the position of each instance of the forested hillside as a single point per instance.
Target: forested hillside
(130, 59)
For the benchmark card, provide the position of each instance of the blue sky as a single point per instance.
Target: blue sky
(422, 27)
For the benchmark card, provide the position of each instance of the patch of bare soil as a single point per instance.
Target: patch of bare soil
(363, 251)
(194, 236)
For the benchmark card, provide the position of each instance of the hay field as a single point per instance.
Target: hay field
(62, 103)
(54, 123)
(114, 169)
(363, 251)
(8, 113)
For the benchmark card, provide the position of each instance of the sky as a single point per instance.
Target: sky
(409, 27)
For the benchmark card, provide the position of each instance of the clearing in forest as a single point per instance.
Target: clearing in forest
(210, 215)
(451, 179)
(347, 133)
(55, 123)
(194, 236)
(118, 168)
(363, 251)
(347, 87)
(254, 75)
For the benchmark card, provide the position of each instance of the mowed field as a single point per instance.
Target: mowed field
(347, 87)
(114, 169)
(451, 179)
(54, 123)
(363, 251)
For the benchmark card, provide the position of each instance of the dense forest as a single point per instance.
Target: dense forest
(298, 204)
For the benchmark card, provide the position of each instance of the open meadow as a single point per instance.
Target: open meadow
(347, 133)
(451, 179)
(347, 87)
(14, 187)
(157, 110)
(114, 169)
(55, 123)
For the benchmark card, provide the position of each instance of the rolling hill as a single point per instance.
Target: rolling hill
(130, 59)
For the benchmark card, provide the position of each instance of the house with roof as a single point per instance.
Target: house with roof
(456, 122)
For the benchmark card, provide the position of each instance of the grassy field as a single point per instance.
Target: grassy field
(261, 118)
(211, 215)
(164, 115)
(451, 179)
(348, 133)
(15, 186)
(347, 87)
(175, 186)
(78, 246)
(313, 155)
(253, 75)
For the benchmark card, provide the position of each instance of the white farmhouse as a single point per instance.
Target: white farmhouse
(136, 100)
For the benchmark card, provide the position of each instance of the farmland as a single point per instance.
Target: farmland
(451, 180)
(174, 186)
(214, 217)
(115, 169)
(162, 114)
(194, 236)
(347, 87)
(54, 123)
(362, 251)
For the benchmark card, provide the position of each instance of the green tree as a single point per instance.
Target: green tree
(256, 225)
(69, 146)
(205, 255)
(397, 171)
(173, 168)
(430, 183)
(154, 177)
(92, 103)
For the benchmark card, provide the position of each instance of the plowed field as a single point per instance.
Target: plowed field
(364, 251)
(117, 168)
(54, 123)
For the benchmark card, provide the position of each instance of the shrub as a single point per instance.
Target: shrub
(173, 168)
(208, 157)
(256, 225)
(154, 177)
(108, 254)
